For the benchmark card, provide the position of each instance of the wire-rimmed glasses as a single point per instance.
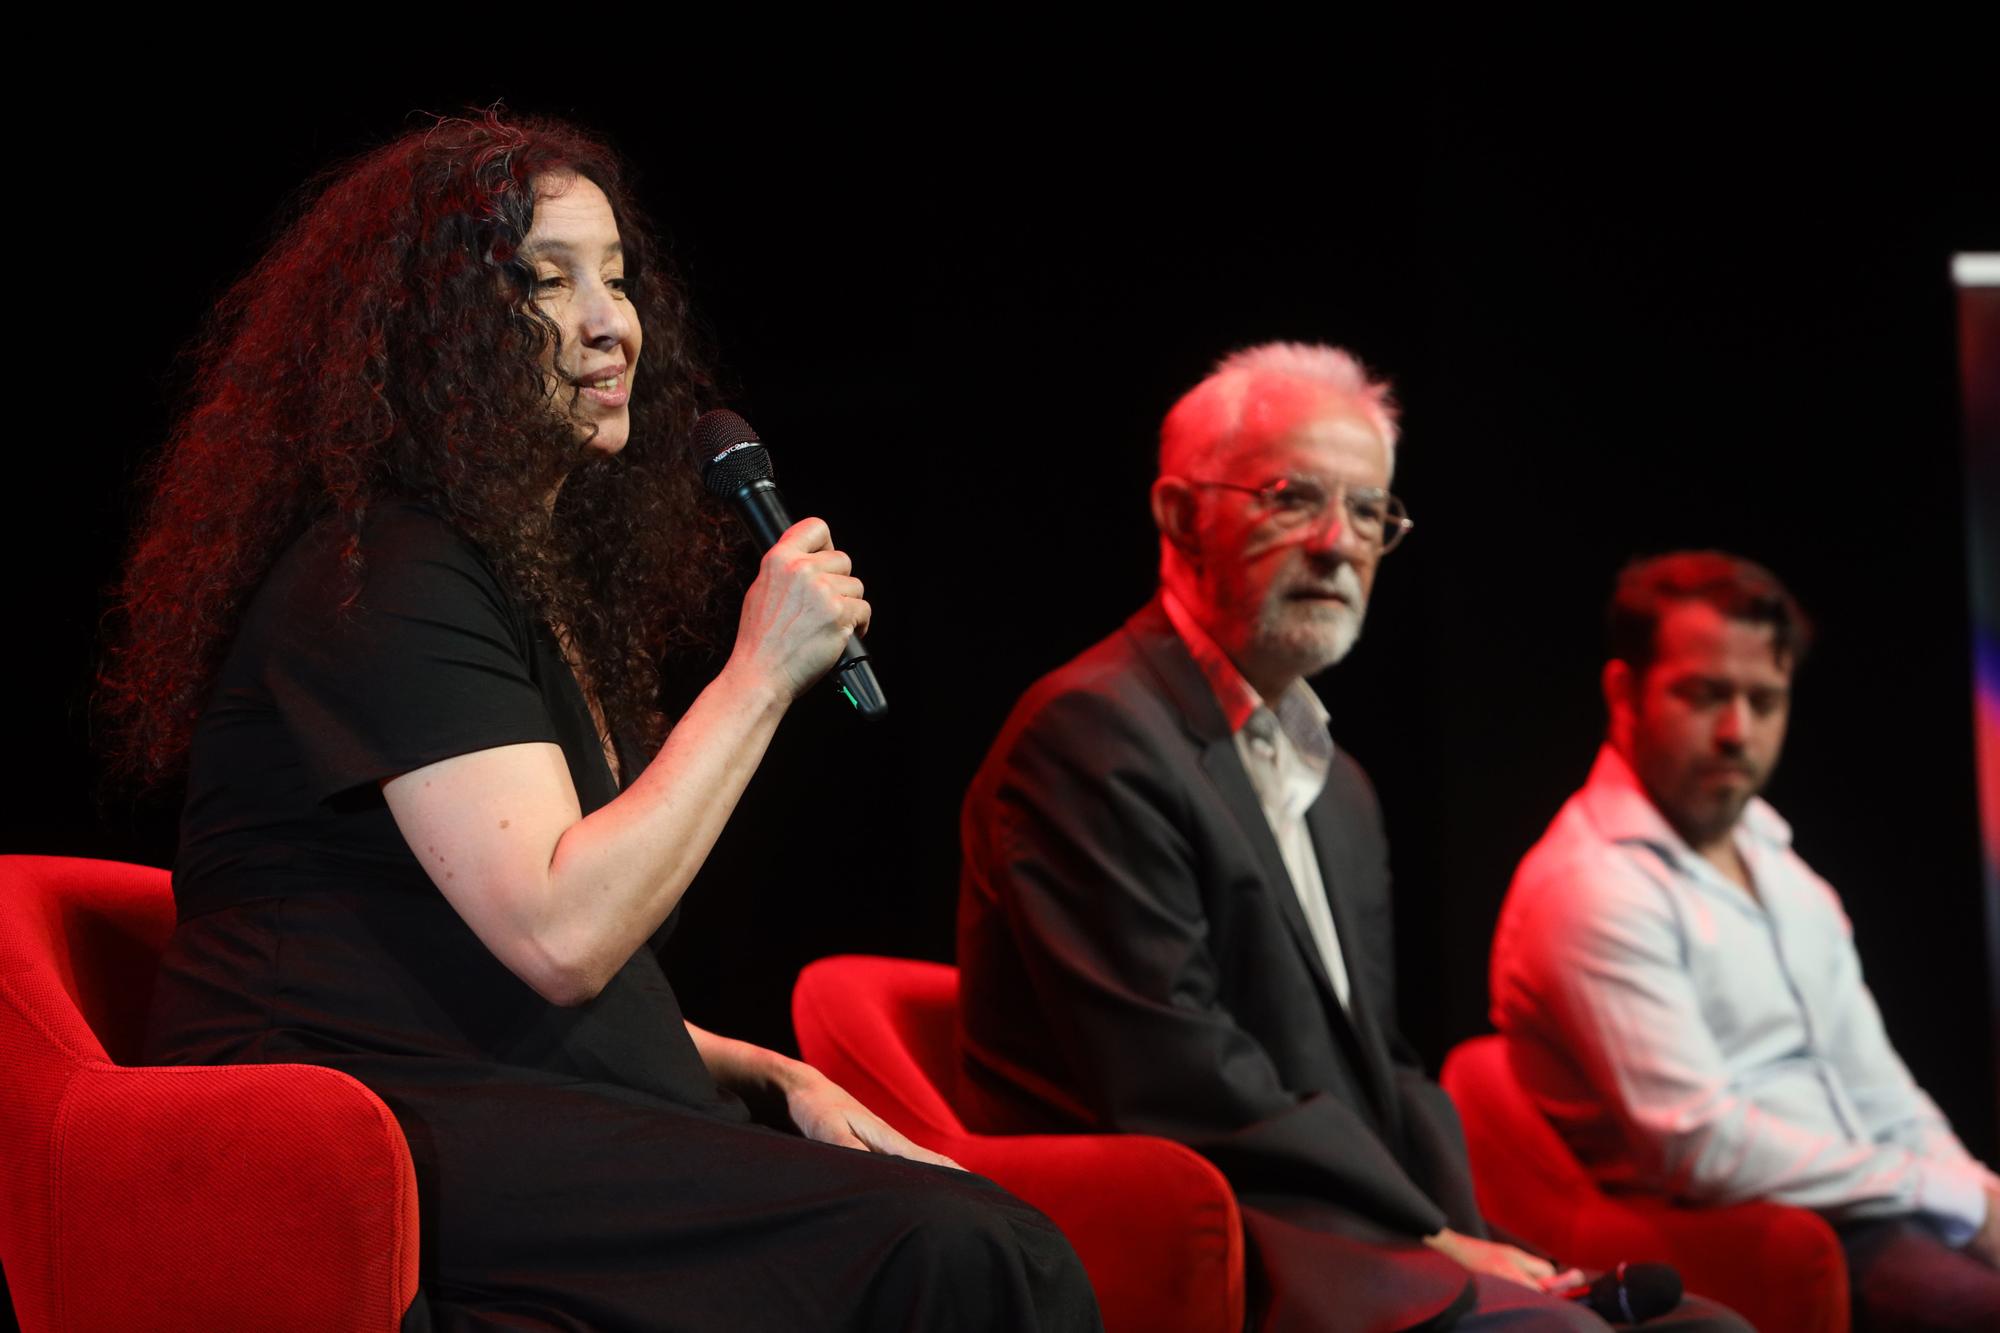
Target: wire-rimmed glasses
(1377, 517)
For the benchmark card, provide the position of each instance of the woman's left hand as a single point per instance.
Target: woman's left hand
(824, 1111)
(776, 1086)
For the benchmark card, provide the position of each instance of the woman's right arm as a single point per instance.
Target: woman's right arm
(564, 899)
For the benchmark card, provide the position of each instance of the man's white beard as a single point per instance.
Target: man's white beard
(1309, 637)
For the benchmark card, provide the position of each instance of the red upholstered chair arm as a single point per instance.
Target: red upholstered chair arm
(1589, 1230)
(1779, 1267)
(1154, 1222)
(260, 1196)
(1728, 1238)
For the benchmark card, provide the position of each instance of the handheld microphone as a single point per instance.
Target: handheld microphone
(736, 467)
(1632, 1293)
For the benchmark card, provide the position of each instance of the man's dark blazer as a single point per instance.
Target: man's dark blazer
(1133, 958)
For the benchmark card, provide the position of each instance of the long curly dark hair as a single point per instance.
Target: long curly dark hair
(386, 347)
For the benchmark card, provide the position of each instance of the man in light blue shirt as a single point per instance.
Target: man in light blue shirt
(1681, 992)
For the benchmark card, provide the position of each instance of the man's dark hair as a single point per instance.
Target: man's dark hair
(1740, 589)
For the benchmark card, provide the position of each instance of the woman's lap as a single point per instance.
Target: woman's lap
(616, 1210)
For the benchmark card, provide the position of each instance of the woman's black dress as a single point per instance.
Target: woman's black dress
(576, 1167)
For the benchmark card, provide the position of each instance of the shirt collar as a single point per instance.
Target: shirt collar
(1622, 811)
(1298, 711)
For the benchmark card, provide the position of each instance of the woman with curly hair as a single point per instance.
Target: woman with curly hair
(397, 607)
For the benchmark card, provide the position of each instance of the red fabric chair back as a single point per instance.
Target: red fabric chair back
(1516, 1138)
(1154, 1222)
(890, 1025)
(186, 1198)
(1781, 1268)
(79, 941)
(85, 953)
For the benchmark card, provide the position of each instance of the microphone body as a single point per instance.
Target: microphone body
(763, 509)
(737, 468)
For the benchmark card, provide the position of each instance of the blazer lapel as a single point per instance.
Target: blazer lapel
(1364, 1024)
(1224, 767)
(1162, 649)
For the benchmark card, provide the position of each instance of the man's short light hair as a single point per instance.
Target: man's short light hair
(1269, 387)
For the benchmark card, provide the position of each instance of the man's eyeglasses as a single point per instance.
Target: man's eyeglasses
(1377, 517)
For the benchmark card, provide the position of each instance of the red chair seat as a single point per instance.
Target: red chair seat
(1155, 1223)
(1781, 1268)
(192, 1197)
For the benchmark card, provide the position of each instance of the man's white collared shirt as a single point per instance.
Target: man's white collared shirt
(1287, 753)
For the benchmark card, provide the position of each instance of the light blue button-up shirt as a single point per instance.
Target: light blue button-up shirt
(1689, 1038)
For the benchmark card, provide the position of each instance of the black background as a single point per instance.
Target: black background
(1628, 307)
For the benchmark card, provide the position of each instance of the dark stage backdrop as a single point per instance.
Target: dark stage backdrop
(1624, 316)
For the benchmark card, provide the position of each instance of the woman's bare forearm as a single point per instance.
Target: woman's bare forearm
(615, 874)
(744, 1068)
(564, 899)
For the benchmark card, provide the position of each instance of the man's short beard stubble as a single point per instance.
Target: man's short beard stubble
(1311, 636)
(1703, 817)
(1686, 798)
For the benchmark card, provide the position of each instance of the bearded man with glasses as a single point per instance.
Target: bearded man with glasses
(1174, 912)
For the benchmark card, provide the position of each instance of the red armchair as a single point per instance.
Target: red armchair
(1781, 1268)
(198, 1198)
(1154, 1222)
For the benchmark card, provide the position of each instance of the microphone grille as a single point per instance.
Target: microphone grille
(1634, 1293)
(731, 454)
